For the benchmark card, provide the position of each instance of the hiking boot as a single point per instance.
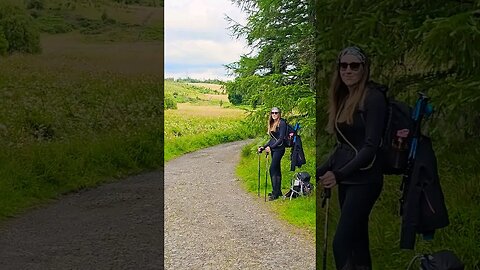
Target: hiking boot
(272, 198)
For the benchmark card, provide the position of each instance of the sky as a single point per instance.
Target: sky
(197, 41)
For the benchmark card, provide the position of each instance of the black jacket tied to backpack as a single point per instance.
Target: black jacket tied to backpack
(297, 157)
(424, 208)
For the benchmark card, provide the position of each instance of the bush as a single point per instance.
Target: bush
(170, 102)
(18, 29)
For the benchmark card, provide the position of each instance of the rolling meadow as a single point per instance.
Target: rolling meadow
(84, 110)
(200, 116)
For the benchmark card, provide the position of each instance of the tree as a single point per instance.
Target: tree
(427, 46)
(278, 73)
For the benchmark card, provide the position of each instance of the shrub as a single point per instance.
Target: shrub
(18, 29)
(170, 102)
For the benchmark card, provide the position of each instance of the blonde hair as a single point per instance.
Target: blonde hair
(272, 125)
(342, 102)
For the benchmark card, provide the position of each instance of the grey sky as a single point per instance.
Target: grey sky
(197, 41)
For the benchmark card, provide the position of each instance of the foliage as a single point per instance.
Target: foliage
(192, 80)
(18, 29)
(169, 102)
(426, 46)
(279, 72)
(415, 46)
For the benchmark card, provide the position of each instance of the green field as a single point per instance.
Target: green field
(82, 112)
(202, 118)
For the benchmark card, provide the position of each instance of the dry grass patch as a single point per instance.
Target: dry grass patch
(70, 51)
(223, 98)
(215, 87)
(187, 109)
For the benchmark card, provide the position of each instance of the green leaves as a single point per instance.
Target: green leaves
(279, 72)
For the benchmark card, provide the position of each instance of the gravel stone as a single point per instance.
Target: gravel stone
(212, 223)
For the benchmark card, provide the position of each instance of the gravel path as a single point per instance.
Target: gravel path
(115, 226)
(211, 223)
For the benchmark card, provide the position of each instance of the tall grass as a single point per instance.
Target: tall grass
(190, 128)
(299, 212)
(59, 135)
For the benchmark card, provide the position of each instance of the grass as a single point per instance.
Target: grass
(102, 21)
(79, 114)
(459, 178)
(299, 212)
(63, 135)
(199, 123)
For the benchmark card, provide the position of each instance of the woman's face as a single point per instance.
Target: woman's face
(275, 115)
(351, 70)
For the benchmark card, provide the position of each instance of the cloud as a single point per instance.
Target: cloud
(197, 38)
(200, 51)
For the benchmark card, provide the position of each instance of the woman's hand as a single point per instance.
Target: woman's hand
(328, 180)
(260, 149)
(267, 149)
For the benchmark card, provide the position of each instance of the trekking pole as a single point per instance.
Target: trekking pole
(258, 186)
(422, 109)
(266, 175)
(325, 202)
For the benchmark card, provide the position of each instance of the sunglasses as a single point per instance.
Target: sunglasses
(353, 66)
(274, 112)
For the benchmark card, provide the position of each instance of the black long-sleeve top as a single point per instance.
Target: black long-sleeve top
(365, 133)
(277, 136)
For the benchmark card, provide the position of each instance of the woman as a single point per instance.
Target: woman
(277, 127)
(356, 116)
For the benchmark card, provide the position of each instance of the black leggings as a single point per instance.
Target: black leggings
(275, 168)
(276, 172)
(351, 244)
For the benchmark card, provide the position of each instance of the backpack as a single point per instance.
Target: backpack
(299, 185)
(442, 260)
(396, 140)
(290, 134)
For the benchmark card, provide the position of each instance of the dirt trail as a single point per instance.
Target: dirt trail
(211, 223)
(115, 226)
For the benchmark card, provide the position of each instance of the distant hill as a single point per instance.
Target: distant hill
(102, 20)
